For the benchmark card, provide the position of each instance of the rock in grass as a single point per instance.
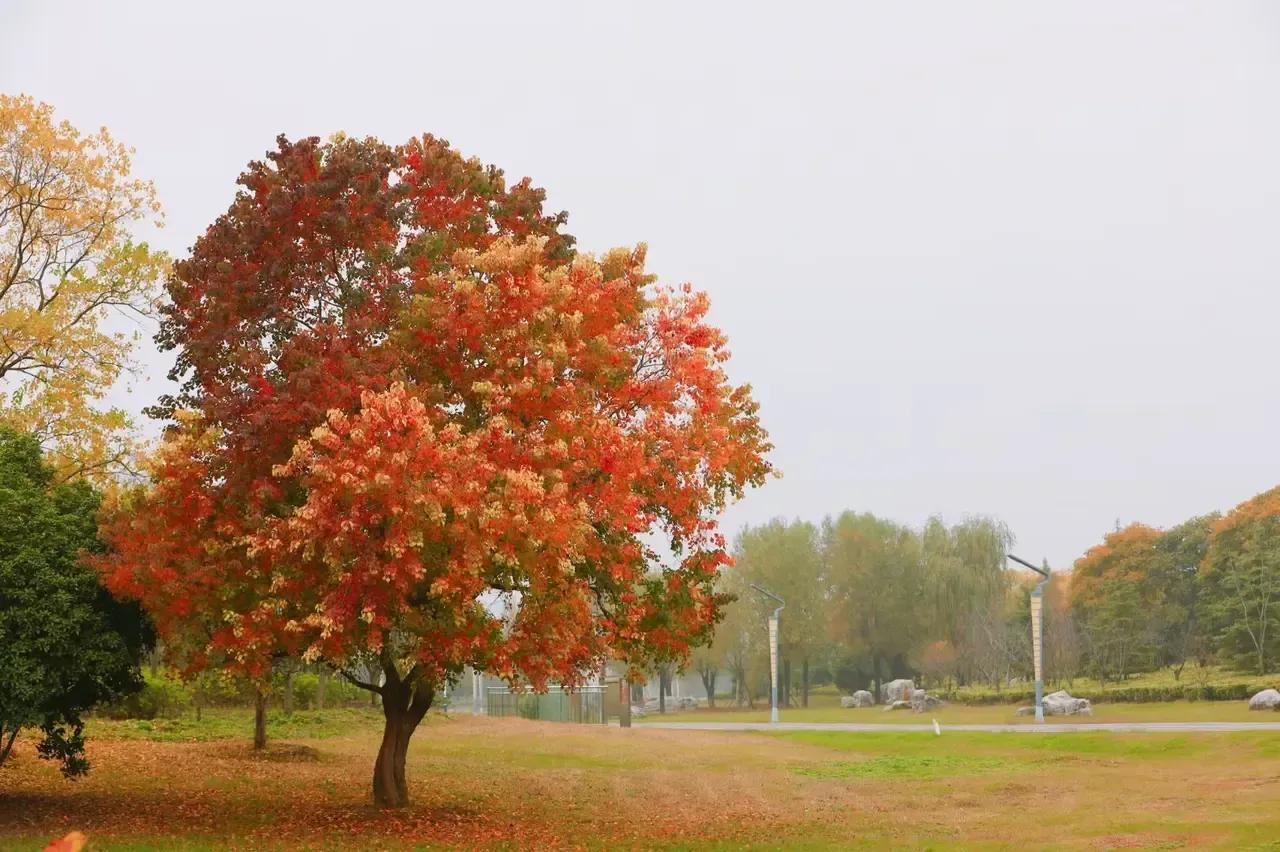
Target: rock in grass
(922, 701)
(1267, 699)
(897, 705)
(861, 698)
(1061, 703)
(897, 690)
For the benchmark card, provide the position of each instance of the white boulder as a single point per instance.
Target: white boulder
(1267, 699)
(1061, 703)
(896, 690)
(861, 698)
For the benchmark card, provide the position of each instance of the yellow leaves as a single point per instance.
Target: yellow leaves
(67, 266)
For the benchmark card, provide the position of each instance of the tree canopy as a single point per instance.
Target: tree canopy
(404, 398)
(65, 644)
(68, 266)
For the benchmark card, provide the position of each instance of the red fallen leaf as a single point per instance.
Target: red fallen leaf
(73, 842)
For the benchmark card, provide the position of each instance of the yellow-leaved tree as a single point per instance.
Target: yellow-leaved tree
(68, 262)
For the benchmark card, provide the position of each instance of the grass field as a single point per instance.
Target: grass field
(516, 784)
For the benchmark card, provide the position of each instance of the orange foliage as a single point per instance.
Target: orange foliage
(1126, 555)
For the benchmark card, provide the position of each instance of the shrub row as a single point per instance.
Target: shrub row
(1118, 695)
(164, 696)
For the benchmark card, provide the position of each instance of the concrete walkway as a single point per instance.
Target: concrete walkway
(1030, 728)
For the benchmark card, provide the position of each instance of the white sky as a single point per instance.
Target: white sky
(1009, 258)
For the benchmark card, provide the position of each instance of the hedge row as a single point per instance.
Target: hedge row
(167, 697)
(1117, 695)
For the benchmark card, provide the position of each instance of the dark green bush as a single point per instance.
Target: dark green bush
(158, 697)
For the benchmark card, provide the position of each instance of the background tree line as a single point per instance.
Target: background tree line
(869, 599)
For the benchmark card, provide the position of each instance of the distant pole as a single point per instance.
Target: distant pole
(1037, 631)
(773, 652)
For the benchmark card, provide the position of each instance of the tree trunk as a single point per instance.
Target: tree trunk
(784, 700)
(709, 684)
(322, 687)
(288, 693)
(403, 707)
(260, 719)
(804, 682)
(7, 746)
(662, 691)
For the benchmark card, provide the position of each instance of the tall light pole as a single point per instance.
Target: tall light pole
(1037, 631)
(773, 652)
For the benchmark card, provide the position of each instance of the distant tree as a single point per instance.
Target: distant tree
(785, 558)
(876, 589)
(1242, 568)
(1062, 649)
(65, 644)
(1116, 596)
(966, 584)
(68, 263)
(742, 636)
(1182, 617)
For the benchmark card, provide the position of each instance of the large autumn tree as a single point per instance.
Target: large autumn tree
(406, 399)
(72, 278)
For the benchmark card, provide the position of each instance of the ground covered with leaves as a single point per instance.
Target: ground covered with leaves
(517, 784)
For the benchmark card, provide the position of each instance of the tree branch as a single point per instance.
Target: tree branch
(354, 681)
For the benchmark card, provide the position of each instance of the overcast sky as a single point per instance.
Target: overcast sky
(1014, 258)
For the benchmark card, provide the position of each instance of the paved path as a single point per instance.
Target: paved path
(1031, 728)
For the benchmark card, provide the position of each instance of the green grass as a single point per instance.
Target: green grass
(907, 766)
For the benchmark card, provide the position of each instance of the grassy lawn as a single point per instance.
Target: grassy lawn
(826, 708)
(516, 784)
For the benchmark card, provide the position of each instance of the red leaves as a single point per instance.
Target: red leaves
(409, 407)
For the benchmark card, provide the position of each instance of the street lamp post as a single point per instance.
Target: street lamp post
(773, 652)
(1037, 631)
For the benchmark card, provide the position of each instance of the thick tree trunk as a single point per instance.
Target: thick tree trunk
(260, 720)
(288, 693)
(403, 707)
(322, 687)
